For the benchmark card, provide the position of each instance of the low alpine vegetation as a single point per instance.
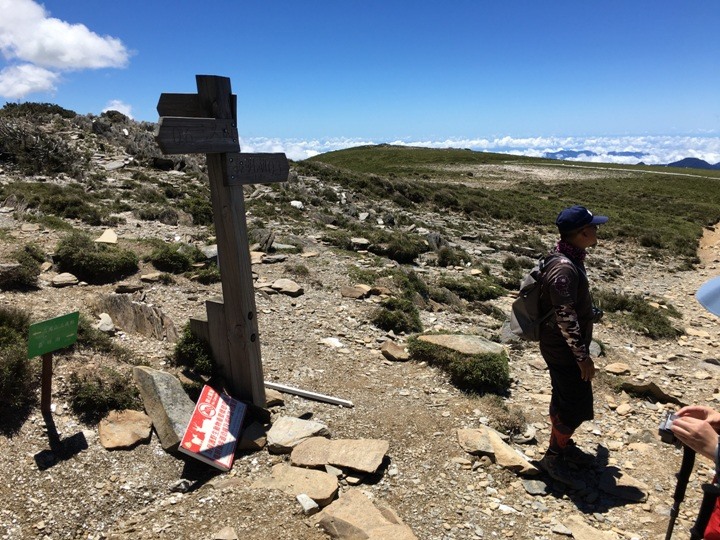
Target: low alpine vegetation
(478, 373)
(94, 262)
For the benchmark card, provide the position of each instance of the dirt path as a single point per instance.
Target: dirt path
(709, 249)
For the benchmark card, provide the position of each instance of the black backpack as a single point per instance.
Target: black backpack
(525, 316)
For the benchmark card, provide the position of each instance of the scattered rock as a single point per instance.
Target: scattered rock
(320, 486)
(288, 287)
(354, 516)
(108, 237)
(287, 432)
(394, 352)
(65, 279)
(124, 429)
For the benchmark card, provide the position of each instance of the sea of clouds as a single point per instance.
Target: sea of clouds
(627, 150)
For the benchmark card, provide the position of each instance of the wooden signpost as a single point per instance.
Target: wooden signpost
(206, 122)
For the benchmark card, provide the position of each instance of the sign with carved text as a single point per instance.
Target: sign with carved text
(247, 168)
(180, 135)
(48, 336)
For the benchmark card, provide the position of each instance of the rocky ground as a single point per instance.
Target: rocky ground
(435, 487)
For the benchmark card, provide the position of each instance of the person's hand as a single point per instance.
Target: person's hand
(587, 369)
(696, 433)
(701, 412)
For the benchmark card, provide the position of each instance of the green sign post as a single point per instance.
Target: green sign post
(46, 337)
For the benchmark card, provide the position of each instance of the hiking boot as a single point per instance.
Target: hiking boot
(574, 455)
(554, 465)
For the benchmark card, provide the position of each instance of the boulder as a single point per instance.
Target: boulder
(137, 317)
(287, 432)
(167, 404)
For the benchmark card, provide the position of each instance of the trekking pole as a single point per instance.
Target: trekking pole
(688, 461)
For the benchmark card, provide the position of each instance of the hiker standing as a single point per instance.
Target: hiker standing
(565, 338)
(698, 427)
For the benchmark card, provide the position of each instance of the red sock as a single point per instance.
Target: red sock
(560, 434)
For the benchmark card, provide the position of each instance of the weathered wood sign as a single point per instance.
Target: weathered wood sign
(256, 169)
(206, 122)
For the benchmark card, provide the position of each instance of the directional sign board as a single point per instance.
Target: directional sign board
(249, 168)
(183, 135)
(53, 334)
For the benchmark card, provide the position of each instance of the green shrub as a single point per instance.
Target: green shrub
(207, 276)
(397, 315)
(36, 151)
(200, 208)
(298, 270)
(476, 288)
(175, 258)
(35, 109)
(511, 263)
(26, 274)
(402, 248)
(94, 262)
(478, 373)
(15, 319)
(19, 377)
(410, 283)
(508, 419)
(72, 206)
(357, 274)
(637, 313)
(451, 257)
(93, 395)
(92, 338)
(193, 352)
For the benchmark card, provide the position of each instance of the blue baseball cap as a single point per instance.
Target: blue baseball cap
(709, 295)
(577, 217)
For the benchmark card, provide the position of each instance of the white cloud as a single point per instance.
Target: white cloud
(119, 106)
(29, 35)
(18, 81)
(652, 150)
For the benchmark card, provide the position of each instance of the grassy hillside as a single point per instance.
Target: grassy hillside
(660, 208)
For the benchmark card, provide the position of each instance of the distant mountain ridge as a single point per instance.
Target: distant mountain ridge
(567, 154)
(686, 163)
(695, 163)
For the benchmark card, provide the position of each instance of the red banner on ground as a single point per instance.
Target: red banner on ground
(211, 436)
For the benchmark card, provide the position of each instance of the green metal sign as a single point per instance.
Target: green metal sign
(53, 334)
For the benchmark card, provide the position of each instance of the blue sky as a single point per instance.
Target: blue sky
(318, 75)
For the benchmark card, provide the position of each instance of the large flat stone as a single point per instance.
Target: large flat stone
(464, 344)
(287, 432)
(167, 404)
(320, 486)
(365, 455)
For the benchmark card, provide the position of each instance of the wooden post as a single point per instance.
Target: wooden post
(206, 122)
(46, 383)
